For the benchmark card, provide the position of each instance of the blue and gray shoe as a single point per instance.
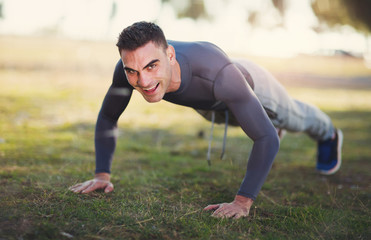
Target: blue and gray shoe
(329, 154)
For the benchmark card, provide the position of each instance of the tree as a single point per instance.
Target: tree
(194, 9)
(280, 5)
(355, 13)
(1, 10)
(359, 11)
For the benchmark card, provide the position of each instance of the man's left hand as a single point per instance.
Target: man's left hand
(240, 207)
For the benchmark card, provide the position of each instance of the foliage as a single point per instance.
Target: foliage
(344, 12)
(194, 9)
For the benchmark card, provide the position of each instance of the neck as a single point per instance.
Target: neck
(175, 78)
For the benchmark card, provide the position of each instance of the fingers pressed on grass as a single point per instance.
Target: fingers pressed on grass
(90, 186)
(78, 188)
(75, 186)
(109, 188)
(220, 208)
(219, 214)
(212, 207)
(237, 216)
(229, 213)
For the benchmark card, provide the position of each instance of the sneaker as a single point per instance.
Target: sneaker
(329, 154)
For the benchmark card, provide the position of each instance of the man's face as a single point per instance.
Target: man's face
(148, 70)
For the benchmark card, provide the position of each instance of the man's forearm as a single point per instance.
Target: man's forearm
(105, 144)
(259, 165)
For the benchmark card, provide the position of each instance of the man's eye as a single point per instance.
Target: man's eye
(130, 72)
(152, 66)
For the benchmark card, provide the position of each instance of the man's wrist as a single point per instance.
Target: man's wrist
(243, 201)
(103, 176)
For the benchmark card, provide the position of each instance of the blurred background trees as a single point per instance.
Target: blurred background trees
(295, 26)
(335, 13)
(194, 9)
(356, 13)
(330, 13)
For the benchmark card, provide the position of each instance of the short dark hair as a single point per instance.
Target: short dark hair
(139, 34)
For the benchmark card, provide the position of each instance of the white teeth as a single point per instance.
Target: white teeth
(148, 89)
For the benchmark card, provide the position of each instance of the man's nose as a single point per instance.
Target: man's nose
(144, 80)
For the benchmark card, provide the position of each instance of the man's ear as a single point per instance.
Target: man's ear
(170, 51)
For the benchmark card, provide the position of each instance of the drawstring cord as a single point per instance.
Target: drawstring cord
(225, 133)
(211, 135)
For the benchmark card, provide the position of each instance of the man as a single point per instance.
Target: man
(201, 76)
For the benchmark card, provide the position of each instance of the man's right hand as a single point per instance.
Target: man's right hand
(100, 181)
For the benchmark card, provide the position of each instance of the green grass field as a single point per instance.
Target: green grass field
(50, 94)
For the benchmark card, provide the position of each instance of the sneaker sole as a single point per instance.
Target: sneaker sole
(338, 164)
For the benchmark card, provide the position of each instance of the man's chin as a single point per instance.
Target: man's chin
(152, 99)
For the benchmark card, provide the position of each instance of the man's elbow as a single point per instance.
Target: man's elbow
(275, 142)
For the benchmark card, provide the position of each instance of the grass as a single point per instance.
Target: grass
(50, 93)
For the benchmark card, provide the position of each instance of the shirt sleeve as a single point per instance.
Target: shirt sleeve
(114, 103)
(231, 88)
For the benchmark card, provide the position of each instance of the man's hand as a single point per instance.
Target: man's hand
(240, 207)
(100, 181)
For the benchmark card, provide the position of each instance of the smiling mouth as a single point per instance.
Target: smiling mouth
(152, 89)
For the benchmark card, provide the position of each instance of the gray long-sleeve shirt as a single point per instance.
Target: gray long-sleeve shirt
(209, 81)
